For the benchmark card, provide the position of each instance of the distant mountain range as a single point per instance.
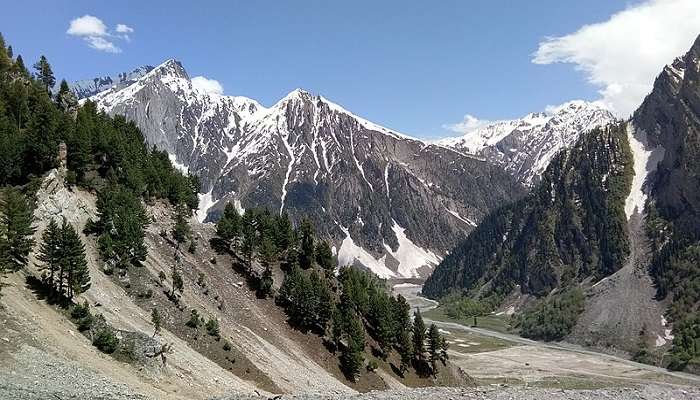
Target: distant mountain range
(387, 201)
(526, 146)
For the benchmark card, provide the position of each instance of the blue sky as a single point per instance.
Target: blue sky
(413, 66)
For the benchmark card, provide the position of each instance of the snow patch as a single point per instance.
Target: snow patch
(409, 255)
(181, 167)
(205, 202)
(459, 217)
(350, 252)
(645, 162)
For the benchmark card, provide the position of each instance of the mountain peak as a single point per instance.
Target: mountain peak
(171, 67)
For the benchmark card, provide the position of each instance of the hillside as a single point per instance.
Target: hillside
(607, 241)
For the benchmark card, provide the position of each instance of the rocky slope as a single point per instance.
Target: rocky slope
(526, 146)
(387, 201)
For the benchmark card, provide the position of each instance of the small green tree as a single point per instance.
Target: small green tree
(352, 354)
(266, 282)
(44, 74)
(156, 321)
(178, 283)
(324, 256)
(306, 253)
(181, 230)
(73, 261)
(418, 337)
(50, 254)
(434, 347)
(194, 321)
(229, 226)
(213, 327)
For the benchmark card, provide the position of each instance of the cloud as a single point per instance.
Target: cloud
(121, 28)
(102, 44)
(207, 85)
(468, 124)
(94, 32)
(87, 25)
(624, 54)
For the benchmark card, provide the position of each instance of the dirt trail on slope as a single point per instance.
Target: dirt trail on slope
(619, 306)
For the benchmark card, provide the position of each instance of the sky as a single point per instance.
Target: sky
(428, 69)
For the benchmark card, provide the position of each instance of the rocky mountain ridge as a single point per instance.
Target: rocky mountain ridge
(387, 201)
(526, 146)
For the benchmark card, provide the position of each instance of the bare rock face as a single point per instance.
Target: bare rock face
(526, 146)
(387, 201)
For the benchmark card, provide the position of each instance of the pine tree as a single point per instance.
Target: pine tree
(418, 336)
(156, 321)
(266, 282)
(352, 354)
(306, 253)
(229, 226)
(434, 346)
(284, 233)
(5, 56)
(50, 254)
(182, 230)
(16, 218)
(405, 349)
(178, 283)
(324, 256)
(44, 74)
(18, 68)
(267, 252)
(65, 98)
(73, 261)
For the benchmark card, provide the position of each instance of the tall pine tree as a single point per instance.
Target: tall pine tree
(44, 74)
(16, 218)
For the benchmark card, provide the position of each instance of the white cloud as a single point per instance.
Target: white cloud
(121, 28)
(94, 32)
(207, 85)
(102, 44)
(87, 25)
(468, 124)
(624, 54)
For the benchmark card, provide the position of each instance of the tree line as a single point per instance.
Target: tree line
(347, 309)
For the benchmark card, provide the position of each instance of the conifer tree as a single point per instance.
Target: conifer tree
(156, 321)
(16, 218)
(10, 52)
(418, 337)
(284, 233)
(266, 282)
(324, 256)
(44, 74)
(352, 354)
(5, 56)
(181, 230)
(434, 347)
(229, 226)
(50, 253)
(267, 252)
(306, 253)
(65, 98)
(73, 261)
(178, 283)
(18, 68)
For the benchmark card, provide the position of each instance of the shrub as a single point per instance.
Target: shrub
(372, 366)
(194, 321)
(213, 327)
(227, 346)
(106, 340)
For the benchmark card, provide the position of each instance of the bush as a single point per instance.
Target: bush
(213, 327)
(372, 366)
(106, 340)
(194, 321)
(227, 346)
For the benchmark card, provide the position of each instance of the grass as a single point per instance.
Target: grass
(492, 322)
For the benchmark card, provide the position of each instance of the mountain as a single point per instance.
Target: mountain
(387, 201)
(526, 146)
(90, 87)
(617, 216)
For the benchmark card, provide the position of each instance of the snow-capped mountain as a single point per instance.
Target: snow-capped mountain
(387, 201)
(90, 87)
(524, 147)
